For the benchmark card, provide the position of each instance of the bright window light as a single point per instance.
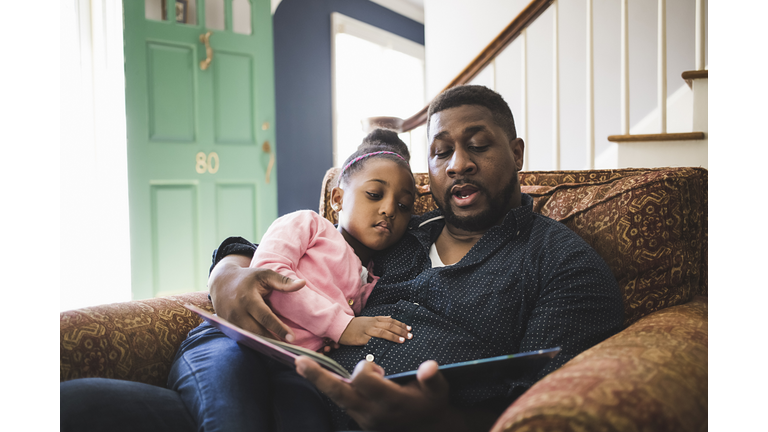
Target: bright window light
(376, 73)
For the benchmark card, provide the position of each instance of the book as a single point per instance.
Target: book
(510, 366)
(278, 350)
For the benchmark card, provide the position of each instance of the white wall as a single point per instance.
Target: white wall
(457, 30)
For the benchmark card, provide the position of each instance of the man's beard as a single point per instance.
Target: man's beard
(498, 206)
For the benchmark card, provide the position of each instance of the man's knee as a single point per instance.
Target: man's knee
(115, 405)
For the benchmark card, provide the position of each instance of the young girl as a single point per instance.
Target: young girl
(373, 197)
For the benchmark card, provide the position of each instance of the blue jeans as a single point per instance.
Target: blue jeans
(214, 384)
(228, 387)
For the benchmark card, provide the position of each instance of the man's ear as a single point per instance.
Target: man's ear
(337, 195)
(518, 151)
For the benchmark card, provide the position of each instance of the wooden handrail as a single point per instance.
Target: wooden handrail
(524, 19)
(677, 136)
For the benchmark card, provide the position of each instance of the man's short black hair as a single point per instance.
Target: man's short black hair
(475, 95)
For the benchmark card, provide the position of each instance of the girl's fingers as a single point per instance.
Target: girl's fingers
(393, 325)
(384, 334)
(388, 334)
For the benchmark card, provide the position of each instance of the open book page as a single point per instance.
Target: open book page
(281, 351)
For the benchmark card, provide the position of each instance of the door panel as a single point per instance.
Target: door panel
(236, 210)
(196, 165)
(175, 238)
(171, 87)
(233, 95)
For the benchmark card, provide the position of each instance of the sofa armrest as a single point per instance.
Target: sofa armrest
(134, 341)
(650, 376)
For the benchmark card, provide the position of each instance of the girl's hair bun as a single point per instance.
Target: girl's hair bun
(384, 140)
(379, 140)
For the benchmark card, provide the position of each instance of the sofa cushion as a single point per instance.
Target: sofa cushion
(134, 341)
(649, 225)
(650, 377)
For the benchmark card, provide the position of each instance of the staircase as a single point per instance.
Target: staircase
(674, 133)
(638, 149)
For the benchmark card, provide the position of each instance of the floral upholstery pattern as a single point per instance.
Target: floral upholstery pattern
(134, 341)
(649, 225)
(650, 377)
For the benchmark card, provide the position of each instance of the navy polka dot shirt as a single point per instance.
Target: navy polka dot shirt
(527, 284)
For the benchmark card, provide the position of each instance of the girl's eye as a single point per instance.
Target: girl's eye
(374, 195)
(404, 207)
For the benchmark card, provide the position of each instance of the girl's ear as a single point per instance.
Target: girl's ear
(337, 195)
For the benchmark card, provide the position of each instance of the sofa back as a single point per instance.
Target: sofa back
(649, 225)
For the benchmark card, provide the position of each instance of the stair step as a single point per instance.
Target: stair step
(683, 136)
(689, 76)
(695, 74)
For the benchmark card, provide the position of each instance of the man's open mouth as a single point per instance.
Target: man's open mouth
(464, 194)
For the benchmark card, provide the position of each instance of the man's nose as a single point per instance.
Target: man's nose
(461, 163)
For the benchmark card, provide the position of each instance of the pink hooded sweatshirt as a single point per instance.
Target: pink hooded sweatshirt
(304, 245)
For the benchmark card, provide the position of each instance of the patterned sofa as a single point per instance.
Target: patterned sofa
(650, 226)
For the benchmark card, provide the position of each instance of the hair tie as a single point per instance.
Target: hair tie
(361, 157)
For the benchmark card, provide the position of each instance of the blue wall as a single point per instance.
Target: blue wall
(302, 36)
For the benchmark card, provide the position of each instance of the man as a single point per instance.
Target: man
(479, 277)
(513, 281)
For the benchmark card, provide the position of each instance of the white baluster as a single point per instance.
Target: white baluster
(625, 67)
(662, 63)
(556, 89)
(700, 36)
(524, 61)
(590, 90)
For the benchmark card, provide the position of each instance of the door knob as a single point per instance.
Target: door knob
(266, 148)
(205, 39)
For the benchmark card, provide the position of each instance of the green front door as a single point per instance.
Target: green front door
(201, 139)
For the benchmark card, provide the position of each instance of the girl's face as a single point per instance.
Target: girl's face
(374, 206)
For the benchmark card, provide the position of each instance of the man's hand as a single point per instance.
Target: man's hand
(361, 329)
(237, 293)
(379, 404)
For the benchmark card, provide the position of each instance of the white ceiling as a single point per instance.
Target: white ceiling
(413, 9)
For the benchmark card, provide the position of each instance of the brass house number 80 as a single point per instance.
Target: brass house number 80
(208, 163)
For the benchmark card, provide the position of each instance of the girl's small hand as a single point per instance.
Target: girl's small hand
(328, 346)
(361, 329)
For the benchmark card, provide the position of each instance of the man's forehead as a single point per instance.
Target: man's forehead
(467, 117)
